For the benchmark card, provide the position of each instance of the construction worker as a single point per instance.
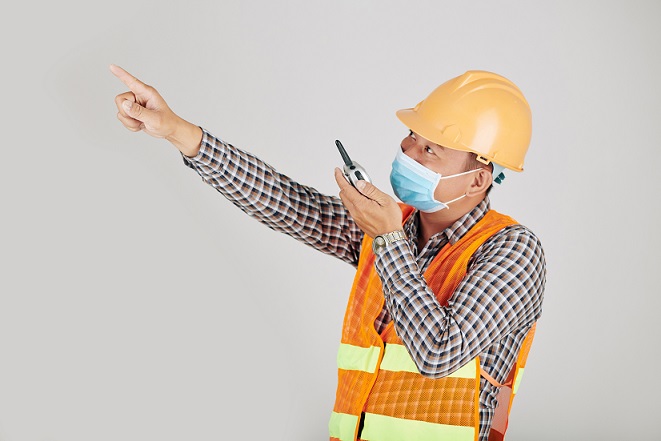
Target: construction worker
(447, 291)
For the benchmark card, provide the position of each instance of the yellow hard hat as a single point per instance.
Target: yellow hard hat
(479, 112)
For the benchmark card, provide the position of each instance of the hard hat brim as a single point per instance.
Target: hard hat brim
(412, 119)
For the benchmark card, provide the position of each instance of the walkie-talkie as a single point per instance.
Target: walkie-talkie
(353, 171)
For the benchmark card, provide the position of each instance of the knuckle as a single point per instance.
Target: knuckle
(124, 96)
(118, 101)
(126, 122)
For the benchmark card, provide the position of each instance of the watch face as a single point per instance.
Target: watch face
(378, 245)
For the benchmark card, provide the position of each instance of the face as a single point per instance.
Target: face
(433, 156)
(441, 160)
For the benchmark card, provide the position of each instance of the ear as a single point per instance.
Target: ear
(481, 182)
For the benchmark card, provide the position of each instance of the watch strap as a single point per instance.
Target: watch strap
(394, 236)
(383, 240)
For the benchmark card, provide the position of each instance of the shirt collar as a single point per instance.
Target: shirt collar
(455, 231)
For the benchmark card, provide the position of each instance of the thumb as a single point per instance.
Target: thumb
(136, 111)
(370, 191)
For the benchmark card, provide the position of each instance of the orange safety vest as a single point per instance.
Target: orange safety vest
(379, 381)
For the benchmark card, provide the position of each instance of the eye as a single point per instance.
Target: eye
(429, 150)
(411, 134)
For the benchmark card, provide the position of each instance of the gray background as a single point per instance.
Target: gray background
(137, 304)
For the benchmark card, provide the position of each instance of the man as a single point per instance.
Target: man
(447, 291)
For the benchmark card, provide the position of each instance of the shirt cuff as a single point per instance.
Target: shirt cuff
(211, 153)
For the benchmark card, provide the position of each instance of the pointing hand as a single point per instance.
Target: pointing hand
(143, 109)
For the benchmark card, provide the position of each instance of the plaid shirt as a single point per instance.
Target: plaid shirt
(489, 314)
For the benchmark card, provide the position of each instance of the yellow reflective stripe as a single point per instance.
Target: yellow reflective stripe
(342, 426)
(469, 370)
(517, 380)
(356, 358)
(397, 358)
(386, 428)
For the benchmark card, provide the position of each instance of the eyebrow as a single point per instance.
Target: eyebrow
(429, 143)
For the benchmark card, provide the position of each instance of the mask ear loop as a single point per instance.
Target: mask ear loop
(453, 176)
(460, 174)
(453, 200)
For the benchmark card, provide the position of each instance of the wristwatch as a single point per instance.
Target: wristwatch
(382, 240)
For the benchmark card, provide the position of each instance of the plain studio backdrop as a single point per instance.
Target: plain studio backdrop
(138, 304)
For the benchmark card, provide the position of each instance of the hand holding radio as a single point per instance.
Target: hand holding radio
(353, 171)
(374, 211)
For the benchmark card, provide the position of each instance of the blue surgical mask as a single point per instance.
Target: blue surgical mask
(414, 184)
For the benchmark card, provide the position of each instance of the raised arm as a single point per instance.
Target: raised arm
(255, 187)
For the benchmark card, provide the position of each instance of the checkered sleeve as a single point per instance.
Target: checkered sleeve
(501, 292)
(275, 200)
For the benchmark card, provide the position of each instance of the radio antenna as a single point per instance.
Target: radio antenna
(345, 156)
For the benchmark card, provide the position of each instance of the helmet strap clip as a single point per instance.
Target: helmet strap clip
(482, 159)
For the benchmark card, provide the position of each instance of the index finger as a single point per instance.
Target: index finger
(341, 180)
(132, 82)
(346, 186)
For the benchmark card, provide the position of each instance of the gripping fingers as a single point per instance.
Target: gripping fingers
(119, 99)
(132, 124)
